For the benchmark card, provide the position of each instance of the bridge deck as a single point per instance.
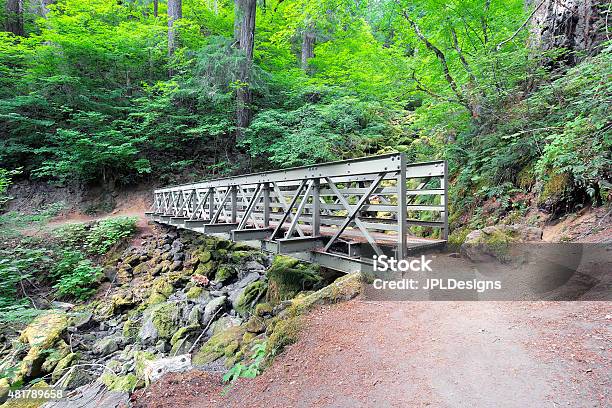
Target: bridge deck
(339, 214)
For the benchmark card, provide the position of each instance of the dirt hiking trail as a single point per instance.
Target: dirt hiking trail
(422, 354)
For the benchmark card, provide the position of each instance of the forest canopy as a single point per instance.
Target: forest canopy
(133, 90)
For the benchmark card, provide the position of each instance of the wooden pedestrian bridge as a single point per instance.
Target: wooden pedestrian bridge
(338, 215)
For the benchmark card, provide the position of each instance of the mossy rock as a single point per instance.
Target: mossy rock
(120, 302)
(202, 255)
(243, 256)
(128, 382)
(141, 268)
(256, 325)
(241, 246)
(206, 269)
(342, 289)
(156, 298)
(554, 187)
(165, 318)
(43, 335)
(225, 272)
(182, 333)
(284, 332)
(56, 353)
(219, 254)
(194, 292)
(163, 287)
(140, 358)
(263, 309)
(287, 277)
(63, 365)
(45, 330)
(131, 328)
(217, 346)
(246, 300)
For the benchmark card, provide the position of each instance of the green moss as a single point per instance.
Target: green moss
(205, 269)
(457, 237)
(119, 383)
(194, 292)
(202, 255)
(182, 333)
(218, 344)
(242, 256)
(262, 309)
(156, 298)
(140, 358)
(219, 254)
(165, 317)
(231, 348)
(163, 287)
(141, 268)
(249, 296)
(287, 277)
(63, 365)
(498, 243)
(284, 333)
(225, 272)
(131, 328)
(554, 187)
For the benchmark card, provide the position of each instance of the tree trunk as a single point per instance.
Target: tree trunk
(576, 25)
(308, 43)
(175, 12)
(244, 33)
(14, 17)
(155, 8)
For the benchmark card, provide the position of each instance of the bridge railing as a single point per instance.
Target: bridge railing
(353, 208)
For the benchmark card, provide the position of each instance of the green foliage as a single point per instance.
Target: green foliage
(18, 267)
(108, 233)
(5, 181)
(71, 235)
(87, 95)
(75, 275)
(251, 370)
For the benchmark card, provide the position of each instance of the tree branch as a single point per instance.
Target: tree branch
(521, 27)
(464, 62)
(441, 58)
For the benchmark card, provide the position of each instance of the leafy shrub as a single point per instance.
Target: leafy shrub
(16, 267)
(75, 275)
(71, 235)
(251, 370)
(107, 233)
(5, 181)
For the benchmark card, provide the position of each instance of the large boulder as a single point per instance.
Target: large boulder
(497, 242)
(43, 334)
(212, 308)
(287, 277)
(159, 321)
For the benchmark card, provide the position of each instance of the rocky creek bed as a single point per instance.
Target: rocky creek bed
(176, 301)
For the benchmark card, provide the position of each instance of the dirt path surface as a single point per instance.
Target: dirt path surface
(419, 354)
